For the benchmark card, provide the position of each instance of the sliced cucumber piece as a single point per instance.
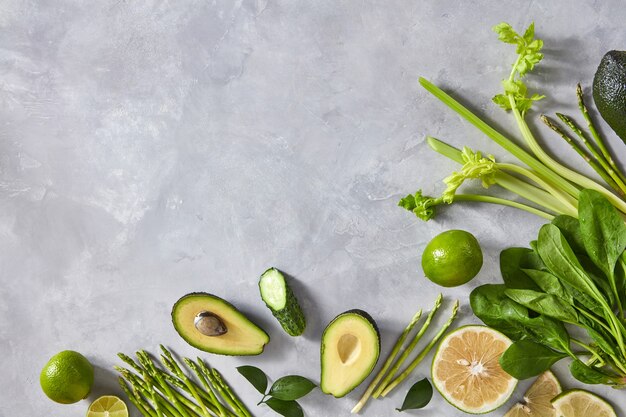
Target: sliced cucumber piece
(281, 301)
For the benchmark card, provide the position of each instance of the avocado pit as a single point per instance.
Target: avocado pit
(210, 324)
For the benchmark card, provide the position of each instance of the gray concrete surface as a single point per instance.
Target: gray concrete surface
(153, 148)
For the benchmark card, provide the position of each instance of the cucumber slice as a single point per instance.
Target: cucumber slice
(281, 301)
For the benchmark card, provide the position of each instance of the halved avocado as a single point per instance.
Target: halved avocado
(212, 324)
(350, 350)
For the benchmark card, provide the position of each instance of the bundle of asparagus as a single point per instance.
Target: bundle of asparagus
(165, 389)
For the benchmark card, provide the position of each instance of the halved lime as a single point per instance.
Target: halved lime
(581, 403)
(108, 406)
(537, 399)
(466, 370)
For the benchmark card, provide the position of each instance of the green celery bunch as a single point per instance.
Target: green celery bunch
(546, 186)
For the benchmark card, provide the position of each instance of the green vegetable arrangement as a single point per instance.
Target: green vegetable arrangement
(168, 390)
(573, 278)
(548, 187)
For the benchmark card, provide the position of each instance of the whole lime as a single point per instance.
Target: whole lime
(452, 258)
(67, 377)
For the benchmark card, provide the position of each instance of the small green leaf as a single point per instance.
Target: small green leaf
(529, 35)
(255, 376)
(502, 101)
(525, 359)
(418, 396)
(506, 33)
(291, 387)
(589, 375)
(542, 303)
(285, 408)
(511, 261)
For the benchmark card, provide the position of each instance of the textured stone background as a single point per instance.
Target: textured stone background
(153, 148)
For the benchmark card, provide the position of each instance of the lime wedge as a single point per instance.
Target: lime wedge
(107, 406)
(581, 403)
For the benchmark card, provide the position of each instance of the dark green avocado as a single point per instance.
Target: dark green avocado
(609, 91)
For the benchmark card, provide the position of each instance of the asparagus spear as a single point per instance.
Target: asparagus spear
(239, 404)
(409, 348)
(394, 352)
(156, 393)
(599, 156)
(194, 367)
(146, 362)
(423, 353)
(594, 133)
(579, 149)
(179, 373)
(144, 409)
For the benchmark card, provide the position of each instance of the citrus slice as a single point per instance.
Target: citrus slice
(580, 403)
(107, 406)
(537, 399)
(466, 370)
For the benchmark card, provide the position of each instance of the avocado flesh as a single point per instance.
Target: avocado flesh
(241, 338)
(609, 91)
(350, 349)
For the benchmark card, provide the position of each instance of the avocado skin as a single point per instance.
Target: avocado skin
(609, 91)
(182, 334)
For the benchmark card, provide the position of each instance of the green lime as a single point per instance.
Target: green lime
(452, 258)
(67, 377)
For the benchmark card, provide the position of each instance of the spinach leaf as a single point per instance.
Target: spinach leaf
(546, 304)
(525, 359)
(550, 284)
(602, 282)
(603, 231)
(570, 228)
(602, 339)
(418, 396)
(558, 256)
(511, 260)
(547, 331)
(490, 304)
(590, 375)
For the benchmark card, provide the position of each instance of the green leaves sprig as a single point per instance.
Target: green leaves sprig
(283, 393)
(515, 91)
(418, 396)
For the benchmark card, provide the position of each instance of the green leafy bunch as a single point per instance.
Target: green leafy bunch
(570, 282)
(282, 395)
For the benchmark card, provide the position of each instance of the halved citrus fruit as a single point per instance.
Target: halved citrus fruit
(537, 399)
(107, 406)
(466, 370)
(581, 403)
